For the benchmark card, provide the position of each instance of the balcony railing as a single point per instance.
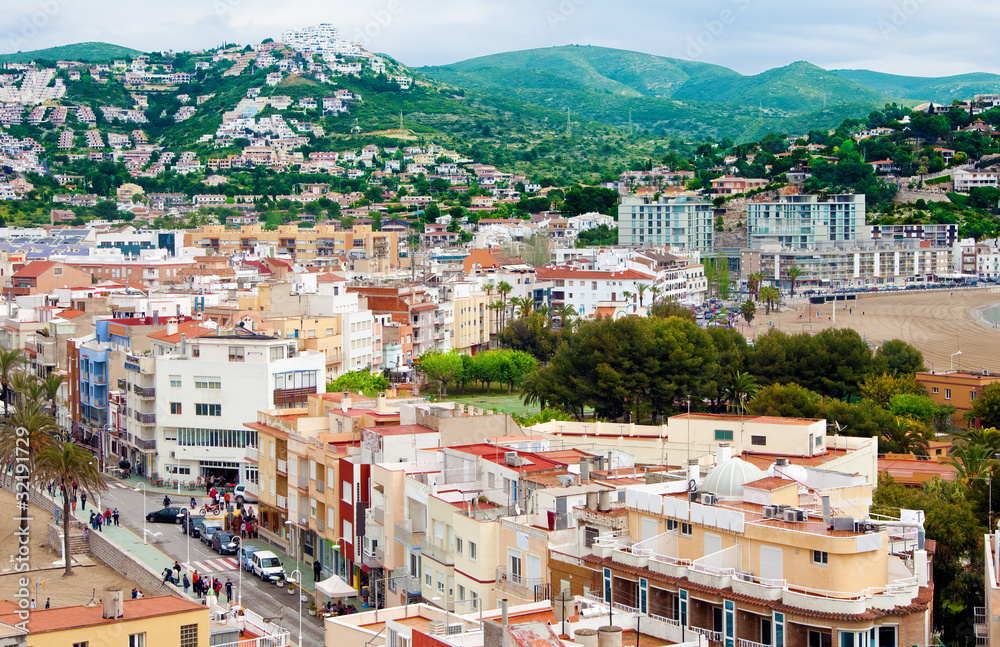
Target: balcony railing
(406, 534)
(303, 482)
(99, 378)
(144, 391)
(981, 628)
(712, 636)
(281, 502)
(380, 557)
(408, 580)
(369, 560)
(534, 589)
(750, 643)
(146, 418)
(282, 466)
(144, 445)
(121, 384)
(438, 551)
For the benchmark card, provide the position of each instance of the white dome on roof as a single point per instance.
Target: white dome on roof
(728, 479)
(788, 471)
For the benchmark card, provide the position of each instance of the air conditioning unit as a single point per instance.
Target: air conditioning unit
(510, 458)
(694, 496)
(800, 514)
(782, 508)
(843, 523)
(707, 498)
(770, 512)
(791, 516)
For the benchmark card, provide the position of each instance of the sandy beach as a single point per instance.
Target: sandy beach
(939, 323)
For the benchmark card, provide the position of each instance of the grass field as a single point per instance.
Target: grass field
(498, 400)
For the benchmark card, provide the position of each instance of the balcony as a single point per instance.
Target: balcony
(750, 643)
(981, 628)
(122, 384)
(532, 589)
(144, 392)
(408, 580)
(146, 418)
(409, 536)
(368, 559)
(144, 445)
(281, 502)
(711, 636)
(282, 466)
(380, 556)
(437, 550)
(99, 378)
(378, 515)
(303, 482)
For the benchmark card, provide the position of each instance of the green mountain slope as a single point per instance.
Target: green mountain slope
(84, 52)
(664, 95)
(942, 89)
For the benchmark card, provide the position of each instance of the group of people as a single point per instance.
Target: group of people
(98, 519)
(337, 609)
(201, 585)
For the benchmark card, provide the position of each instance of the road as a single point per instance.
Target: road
(268, 600)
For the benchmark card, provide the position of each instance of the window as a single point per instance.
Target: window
(758, 440)
(972, 396)
(472, 550)
(202, 409)
(461, 592)
(195, 351)
(175, 408)
(189, 635)
(345, 491)
(820, 557)
(458, 549)
(671, 524)
(723, 434)
(175, 381)
(208, 383)
(935, 390)
(235, 353)
(819, 441)
(475, 601)
(83, 644)
(137, 640)
(947, 394)
(277, 352)
(428, 578)
(686, 529)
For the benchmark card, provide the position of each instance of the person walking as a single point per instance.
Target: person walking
(187, 583)
(317, 570)
(83, 501)
(229, 591)
(107, 516)
(73, 502)
(166, 501)
(114, 515)
(177, 567)
(48, 603)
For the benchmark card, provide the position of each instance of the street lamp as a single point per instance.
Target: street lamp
(143, 488)
(298, 573)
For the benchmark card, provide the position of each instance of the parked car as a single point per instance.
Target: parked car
(267, 566)
(195, 523)
(225, 542)
(167, 515)
(245, 553)
(240, 495)
(208, 529)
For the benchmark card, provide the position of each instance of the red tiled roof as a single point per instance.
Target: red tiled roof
(70, 313)
(770, 483)
(190, 329)
(570, 273)
(66, 618)
(34, 269)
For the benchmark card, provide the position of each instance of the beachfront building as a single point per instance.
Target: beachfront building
(933, 235)
(857, 264)
(987, 618)
(684, 221)
(802, 221)
(957, 388)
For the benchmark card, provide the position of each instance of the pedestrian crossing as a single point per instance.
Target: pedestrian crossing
(118, 484)
(213, 565)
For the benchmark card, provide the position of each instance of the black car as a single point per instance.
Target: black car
(195, 522)
(167, 515)
(225, 543)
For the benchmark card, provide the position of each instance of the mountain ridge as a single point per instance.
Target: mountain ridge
(86, 52)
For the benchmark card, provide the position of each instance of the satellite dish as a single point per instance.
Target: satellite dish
(517, 509)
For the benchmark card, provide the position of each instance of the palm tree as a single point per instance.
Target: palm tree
(522, 305)
(628, 296)
(655, 291)
(748, 309)
(641, 288)
(753, 284)
(10, 361)
(65, 463)
(770, 296)
(906, 436)
(52, 383)
(793, 272)
(565, 314)
(743, 387)
(25, 386)
(972, 462)
(497, 306)
(503, 289)
(24, 433)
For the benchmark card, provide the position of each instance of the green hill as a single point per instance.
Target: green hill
(664, 95)
(942, 89)
(83, 52)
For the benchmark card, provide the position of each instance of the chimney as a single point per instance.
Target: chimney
(609, 637)
(827, 515)
(345, 401)
(503, 612)
(604, 501)
(694, 472)
(171, 326)
(183, 345)
(380, 405)
(725, 453)
(592, 500)
(585, 471)
(585, 637)
(114, 604)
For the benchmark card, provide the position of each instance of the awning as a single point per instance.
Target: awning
(336, 587)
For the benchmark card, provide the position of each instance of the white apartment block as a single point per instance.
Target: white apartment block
(584, 289)
(965, 180)
(681, 221)
(801, 221)
(188, 399)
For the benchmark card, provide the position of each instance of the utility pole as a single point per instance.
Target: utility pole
(569, 124)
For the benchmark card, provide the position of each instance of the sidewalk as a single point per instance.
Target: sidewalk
(308, 583)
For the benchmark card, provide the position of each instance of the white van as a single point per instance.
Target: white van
(267, 566)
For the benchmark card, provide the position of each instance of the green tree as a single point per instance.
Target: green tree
(748, 309)
(361, 381)
(66, 464)
(785, 401)
(52, 383)
(881, 387)
(793, 273)
(910, 405)
(670, 307)
(10, 361)
(905, 436)
(973, 462)
(985, 411)
(742, 388)
(441, 368)
(899, 356)
(770, 296)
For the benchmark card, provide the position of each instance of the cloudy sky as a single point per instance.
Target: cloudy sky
(916, 37)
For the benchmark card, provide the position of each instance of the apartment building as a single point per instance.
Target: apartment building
(380, 249)
(682, 221)
(761, 558)
(801, 221)
(935, 235)
(583, 290)
(43, 277)
(956, 388)
(733, 185)
(193, 390)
